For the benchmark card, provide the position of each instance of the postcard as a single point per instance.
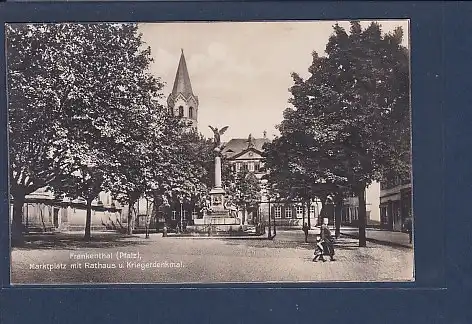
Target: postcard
(210, 152)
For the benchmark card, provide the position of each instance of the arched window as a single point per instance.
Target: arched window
(181, 111)
(190, 112)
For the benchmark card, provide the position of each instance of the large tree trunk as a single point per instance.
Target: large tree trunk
(88, 220)
(130, 218)
(17, 227)
(337, 214)
(360, 192)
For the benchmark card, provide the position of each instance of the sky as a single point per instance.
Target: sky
(241, 71)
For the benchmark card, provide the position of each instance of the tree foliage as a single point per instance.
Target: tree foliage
(349, 124)
(244, 189)
(83, 94)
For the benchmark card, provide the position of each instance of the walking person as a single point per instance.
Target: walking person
(327, 240)
(305, 230)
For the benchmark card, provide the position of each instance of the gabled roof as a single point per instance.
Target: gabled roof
(238, 145)
(247, 150)
(182, 80)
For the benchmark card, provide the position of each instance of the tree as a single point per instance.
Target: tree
(197, 168)
(37, 140)
(181, 167)
(143, 162)
(370, 73)
(244, 191)
(344, 131)
(93, 85)
(298, 167)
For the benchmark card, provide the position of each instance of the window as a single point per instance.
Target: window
(238, 167)
(288, 212)
(185, 214)
(257, 166)
(190, 112)
(299, 211)
(251, 166)
(174, 213)
(278, 211)
(181, 111)
(312, 211)
(245, 166)
(194, 214)
(383, 215)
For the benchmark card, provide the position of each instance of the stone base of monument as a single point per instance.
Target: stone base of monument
(218, 222)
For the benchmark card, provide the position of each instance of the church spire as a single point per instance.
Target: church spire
(181, 101)
(182, 80)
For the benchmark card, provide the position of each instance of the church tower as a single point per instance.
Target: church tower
(182, 102)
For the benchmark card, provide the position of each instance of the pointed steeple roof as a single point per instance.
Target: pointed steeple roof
(182, 80)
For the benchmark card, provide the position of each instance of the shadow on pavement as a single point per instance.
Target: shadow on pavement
(380, 242)
(342, 243)
(72, 241)
(271, 244)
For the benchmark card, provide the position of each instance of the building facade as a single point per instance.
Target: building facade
(42, 212)
(246, 153)
(350, 211)
(395, 204)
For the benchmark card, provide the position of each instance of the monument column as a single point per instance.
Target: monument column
(217, 170)
(217, 193)
(219, 217)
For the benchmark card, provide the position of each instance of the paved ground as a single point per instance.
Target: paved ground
(206, 260)
(380, 236)
(374, 235)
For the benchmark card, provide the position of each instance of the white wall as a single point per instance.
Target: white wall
(373, 200)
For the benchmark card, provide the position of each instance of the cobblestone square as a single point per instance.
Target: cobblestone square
(110, 258)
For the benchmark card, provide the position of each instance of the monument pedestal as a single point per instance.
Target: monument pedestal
(219, 218)
(219, 215)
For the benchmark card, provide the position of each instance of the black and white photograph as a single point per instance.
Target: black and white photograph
(210, 152)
